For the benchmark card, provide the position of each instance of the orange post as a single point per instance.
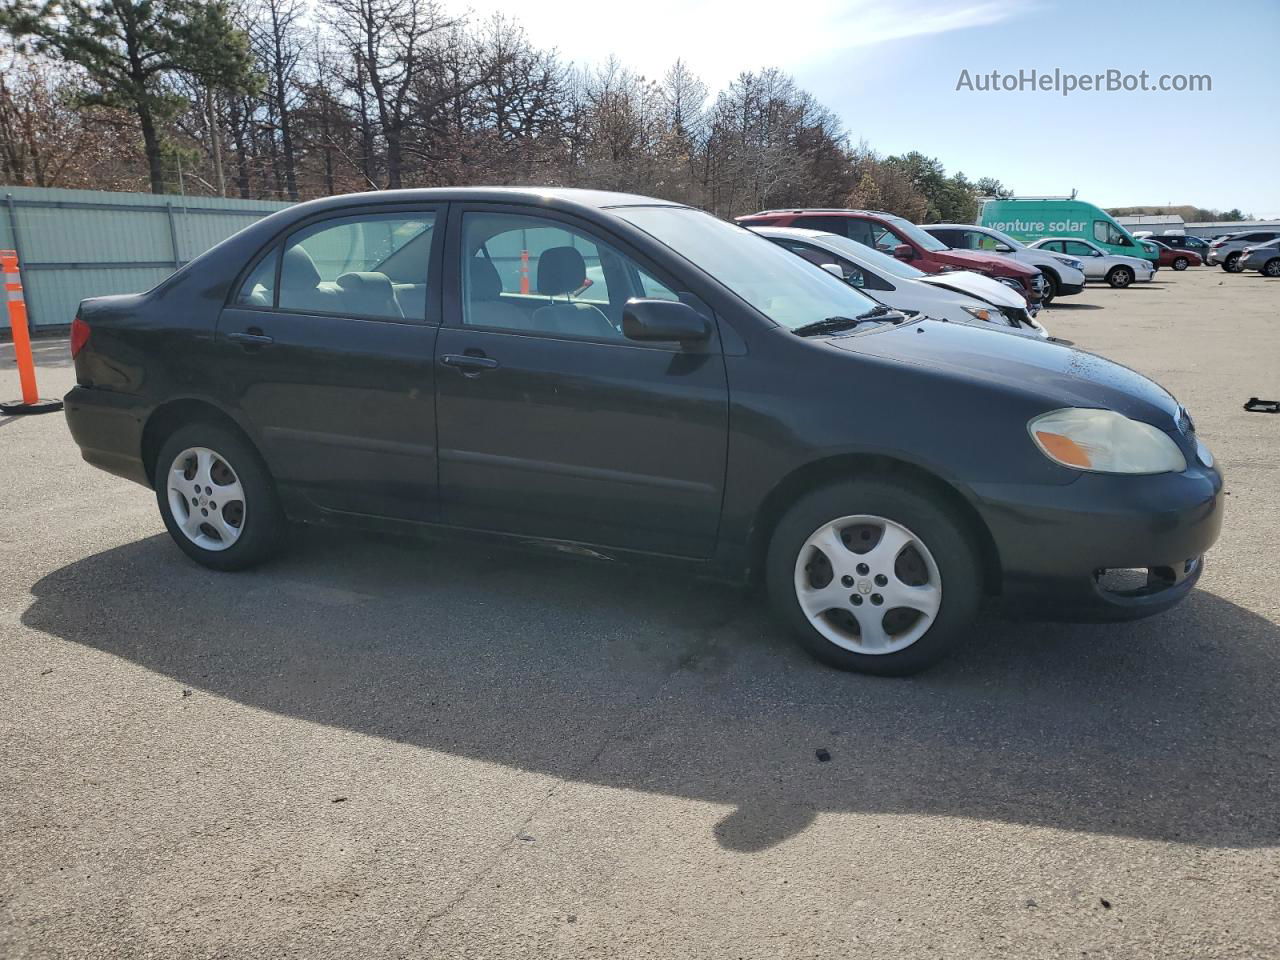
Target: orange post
(30, 402)
(524, 271)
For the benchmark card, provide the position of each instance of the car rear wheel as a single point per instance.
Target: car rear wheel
(1232, 264)
(1120, 277)
(1271, 268)
(874, 576)
(1180, 263)
(216, 497)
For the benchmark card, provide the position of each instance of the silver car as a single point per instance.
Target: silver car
(1098, 264)
(1225, 251)
(1264, 257)
(1063, 275)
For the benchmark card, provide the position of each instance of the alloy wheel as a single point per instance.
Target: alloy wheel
(868, 584)
(206, 498)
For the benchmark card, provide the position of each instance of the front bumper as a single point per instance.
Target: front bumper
(1069, 289)
(1062, 548)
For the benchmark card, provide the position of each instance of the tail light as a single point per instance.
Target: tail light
(79, 335)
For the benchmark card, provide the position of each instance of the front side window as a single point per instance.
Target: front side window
(538, 275)
(1104, 231)
(1078, 249)
(369, 267)
(772, 280)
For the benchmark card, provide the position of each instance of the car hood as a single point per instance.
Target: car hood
(986, 262)
(1059, 375)
(976, 285)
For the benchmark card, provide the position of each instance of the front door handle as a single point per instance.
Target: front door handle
(253, 337)
(469, 365)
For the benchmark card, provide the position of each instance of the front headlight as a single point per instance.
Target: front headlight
(986, 314)
(1103, 441)
(1074, 264)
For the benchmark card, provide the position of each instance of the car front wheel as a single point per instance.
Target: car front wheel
(1271, 268)
(1050, 287)
(1120, 277)
(216, 497)
(874, 576)
(1232, 264)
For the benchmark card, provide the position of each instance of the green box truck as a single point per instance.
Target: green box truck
(1033, 218)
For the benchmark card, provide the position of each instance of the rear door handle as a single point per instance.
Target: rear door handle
(468, 364)
(251, 339)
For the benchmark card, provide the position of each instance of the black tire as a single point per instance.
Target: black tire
(1051, 285)
(261, 521)
(1232, 264)
(1181, 263)
(945, 537)
(1271, 268)
(1120, 277)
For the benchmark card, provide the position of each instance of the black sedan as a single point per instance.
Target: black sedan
(620, 376)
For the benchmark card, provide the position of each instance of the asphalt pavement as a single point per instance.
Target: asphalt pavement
(379, 747)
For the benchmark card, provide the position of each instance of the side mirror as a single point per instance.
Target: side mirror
(663, 321)
(903, 251)
(833, 269)
(1003, 248)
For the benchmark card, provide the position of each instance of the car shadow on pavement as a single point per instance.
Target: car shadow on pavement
(646, 680)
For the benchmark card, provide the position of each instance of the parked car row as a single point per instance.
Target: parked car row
(1238, 252)
(616, 376)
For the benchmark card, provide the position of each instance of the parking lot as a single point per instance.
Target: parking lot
(386, 748)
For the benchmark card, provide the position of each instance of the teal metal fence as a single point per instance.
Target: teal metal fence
(74, 244)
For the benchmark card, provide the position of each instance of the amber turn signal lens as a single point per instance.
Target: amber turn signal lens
(1063, 449)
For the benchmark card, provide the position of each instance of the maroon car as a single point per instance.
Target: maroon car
(1172, 257)
(901, 238)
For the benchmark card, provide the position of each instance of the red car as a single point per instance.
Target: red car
(901, 238)
(1172, 257)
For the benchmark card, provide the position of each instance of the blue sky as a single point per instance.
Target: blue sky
(889, 68)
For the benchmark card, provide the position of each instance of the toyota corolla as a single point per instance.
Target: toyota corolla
(620, 376)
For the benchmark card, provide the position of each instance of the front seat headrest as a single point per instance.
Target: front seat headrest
(561, 270)
(485, 282)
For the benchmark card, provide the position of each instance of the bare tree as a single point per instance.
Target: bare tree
(390, 41)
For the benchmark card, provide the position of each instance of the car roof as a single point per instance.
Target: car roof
(954, 226)
(802, 232)
(836, 211)
(561, 197)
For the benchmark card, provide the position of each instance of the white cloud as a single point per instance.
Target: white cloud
(719, 38)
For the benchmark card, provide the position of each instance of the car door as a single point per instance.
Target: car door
(551, 423)
(328, 345)
(1095, 265)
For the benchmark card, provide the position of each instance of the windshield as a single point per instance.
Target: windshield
(871, 258)
(919, 237)
(1005, 238)
(787, 289)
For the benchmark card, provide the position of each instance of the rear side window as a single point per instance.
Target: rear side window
(836, 225)
(368, 267)
(956, 239)
(259, 288)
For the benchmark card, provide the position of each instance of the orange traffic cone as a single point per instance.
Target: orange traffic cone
(30, 402)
